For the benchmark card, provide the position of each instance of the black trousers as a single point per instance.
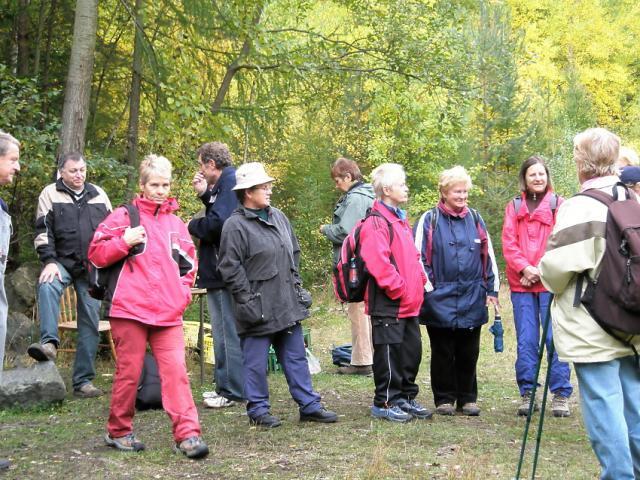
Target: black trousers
(397, 351)
(454, 356)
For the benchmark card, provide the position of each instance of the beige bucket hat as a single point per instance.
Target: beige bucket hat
(251, 174)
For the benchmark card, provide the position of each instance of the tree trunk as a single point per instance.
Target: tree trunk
(38, 40)
(75, 111)
(134, 98)
(22, 31)
(44, 83)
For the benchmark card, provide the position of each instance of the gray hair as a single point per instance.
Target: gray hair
(595, 152)
(386, 175)
(453, 176)
(154, 165)
(6, 140)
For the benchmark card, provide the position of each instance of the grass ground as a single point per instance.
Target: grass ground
(65, 441)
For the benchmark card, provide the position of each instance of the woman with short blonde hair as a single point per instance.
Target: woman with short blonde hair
(595, 152)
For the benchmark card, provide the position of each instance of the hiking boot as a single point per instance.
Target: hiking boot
(393, 414)
(4, 464)
(364, 370)
(560, 406)
(192, 447)
(471, 409)
(413, 408)
(218, 402)
(128, 443)
(321, 416)
(266, 420)
(445, 409)
(523, 409)
(88, 390)
(43, 352)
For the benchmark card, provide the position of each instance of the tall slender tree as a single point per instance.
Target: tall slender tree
(75, 111)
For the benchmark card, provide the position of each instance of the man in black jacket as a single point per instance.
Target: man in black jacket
(69, 211)
(214, 183)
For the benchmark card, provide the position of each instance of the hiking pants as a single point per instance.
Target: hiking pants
(362, 351)
(454, 355)
(397, 351)
(167, 345)
(289, 347)
(529, 310)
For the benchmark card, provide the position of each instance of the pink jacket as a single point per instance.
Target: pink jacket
(524, 238)
(398, 290)
(154, 286)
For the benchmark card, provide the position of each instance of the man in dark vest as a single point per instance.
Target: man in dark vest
(213, 183)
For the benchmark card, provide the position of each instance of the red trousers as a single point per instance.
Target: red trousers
(167, 345)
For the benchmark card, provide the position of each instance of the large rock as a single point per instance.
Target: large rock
(19, 332)
(35, 385)
(21, 287)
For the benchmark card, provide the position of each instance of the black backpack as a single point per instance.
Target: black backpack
(102, 281)
(350, 275)
(149, 394)
(613, 299)
(553, 204)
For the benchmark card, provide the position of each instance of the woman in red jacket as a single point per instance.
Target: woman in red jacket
(528, 222)
(146, 306)
(393, 298)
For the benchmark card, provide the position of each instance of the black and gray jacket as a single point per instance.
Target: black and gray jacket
(65, 225)
(259, 263)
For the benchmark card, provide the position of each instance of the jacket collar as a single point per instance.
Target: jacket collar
(170, 205)
(90, 190)
(227, 172)
(542, 213)
(380, 207)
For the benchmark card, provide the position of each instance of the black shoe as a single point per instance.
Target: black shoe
(4, 464)
(266, 420)
(321, 416)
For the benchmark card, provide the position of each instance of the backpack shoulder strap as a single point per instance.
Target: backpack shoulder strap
(373, 213)
(553, 204)
(476, 216)
(599, 195)
(435, 214)
(517, 201)
(134, 214)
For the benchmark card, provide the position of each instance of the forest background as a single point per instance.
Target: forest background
(297, 83)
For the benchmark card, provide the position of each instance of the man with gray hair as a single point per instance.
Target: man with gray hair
(69, 211)
(9, 166)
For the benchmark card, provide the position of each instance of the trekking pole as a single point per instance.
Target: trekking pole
(550, 352)
(545, 326)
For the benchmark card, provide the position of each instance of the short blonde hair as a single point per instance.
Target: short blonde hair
(154, 165)
(627, 156)
(386, 175)
(453, 176)
(595, 152)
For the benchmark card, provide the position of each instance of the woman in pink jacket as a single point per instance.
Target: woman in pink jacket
(146, 306)
(528, 222)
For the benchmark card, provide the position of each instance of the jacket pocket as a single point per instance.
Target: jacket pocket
(304, 297)
(250, 313)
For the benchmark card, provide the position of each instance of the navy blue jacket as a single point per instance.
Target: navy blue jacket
(220, 202)
(455, 270)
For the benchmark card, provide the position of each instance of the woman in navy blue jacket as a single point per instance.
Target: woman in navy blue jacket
(458, 258)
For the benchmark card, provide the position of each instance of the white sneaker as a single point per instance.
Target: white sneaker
(213, 394)
(218, 402)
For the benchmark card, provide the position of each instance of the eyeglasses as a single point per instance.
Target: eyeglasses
(266, 188)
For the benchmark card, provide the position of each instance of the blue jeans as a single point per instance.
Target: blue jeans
(610, 400)
(289, 347)
(88, 317)
(529, 310)
(228, 374)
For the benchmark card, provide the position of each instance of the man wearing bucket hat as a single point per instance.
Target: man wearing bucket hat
(259, 259)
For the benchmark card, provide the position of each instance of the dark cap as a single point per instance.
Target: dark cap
(630, 175)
